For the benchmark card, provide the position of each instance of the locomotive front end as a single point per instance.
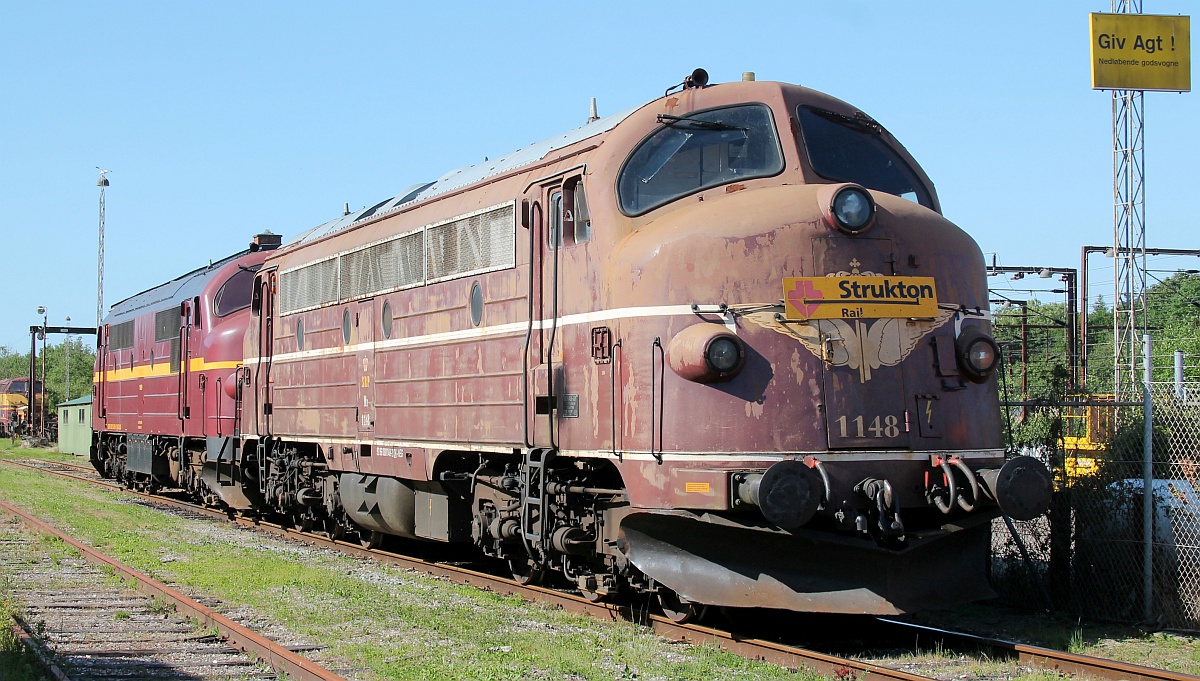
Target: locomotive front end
(823, 429)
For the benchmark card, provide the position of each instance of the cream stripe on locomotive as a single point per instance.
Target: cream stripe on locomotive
(489, 331)
(394, 449)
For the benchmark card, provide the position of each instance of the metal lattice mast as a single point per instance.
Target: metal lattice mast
(1129, 231)
(101, 183)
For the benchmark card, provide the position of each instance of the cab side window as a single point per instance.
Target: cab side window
(570, 220)
(579, 218)
(556, 219)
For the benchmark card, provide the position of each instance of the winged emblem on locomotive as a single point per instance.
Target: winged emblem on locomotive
(861, 344)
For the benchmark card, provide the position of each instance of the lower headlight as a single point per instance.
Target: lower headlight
(978, 354)
(723, 354)
(706, 353)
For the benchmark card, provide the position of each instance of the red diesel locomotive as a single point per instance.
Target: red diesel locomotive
(165, 378)
(722, 348)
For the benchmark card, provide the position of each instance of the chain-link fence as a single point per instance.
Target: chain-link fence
(1094, 553)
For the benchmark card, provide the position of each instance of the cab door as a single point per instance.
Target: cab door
(537, 398)
(181, 362)
(263, 332)
(103, 364)
(863, 378)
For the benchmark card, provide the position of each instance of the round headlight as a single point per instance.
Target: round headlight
(981, 355)
(978, 354)
(723, 354)
(706, 353)
(852, 209)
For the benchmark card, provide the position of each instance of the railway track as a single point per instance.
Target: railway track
(778, 653)
(83, 626)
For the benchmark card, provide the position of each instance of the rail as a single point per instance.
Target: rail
(271, 653)
(1060, 662)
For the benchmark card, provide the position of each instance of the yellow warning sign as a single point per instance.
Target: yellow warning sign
(1141, 52)
(859, 297)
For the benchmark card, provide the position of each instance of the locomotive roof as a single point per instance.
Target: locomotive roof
(175, 291)
(468, 175)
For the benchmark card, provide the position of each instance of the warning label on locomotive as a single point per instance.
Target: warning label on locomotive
(859, 297)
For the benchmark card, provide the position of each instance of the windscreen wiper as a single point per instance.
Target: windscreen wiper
(860, 121)
(667, 119)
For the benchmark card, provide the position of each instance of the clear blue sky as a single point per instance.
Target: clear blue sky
(222, 119)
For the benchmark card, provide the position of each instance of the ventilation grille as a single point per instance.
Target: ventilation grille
(120, 337)
(166, 324)
(175, 355)
(479, 242)
(386, 266)
(310, 286)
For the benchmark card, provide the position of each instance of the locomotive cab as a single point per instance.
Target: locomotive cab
(830, 418)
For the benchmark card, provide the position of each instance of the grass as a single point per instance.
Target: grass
(17, 451)
(1113, 641)
(16, 663)
(393, 623)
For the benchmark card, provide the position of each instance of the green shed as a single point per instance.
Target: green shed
(75, 426)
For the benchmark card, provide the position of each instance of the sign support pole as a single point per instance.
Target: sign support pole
(1129, 227)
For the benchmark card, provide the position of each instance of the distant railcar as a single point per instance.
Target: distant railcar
(722, 348)
(14, 402)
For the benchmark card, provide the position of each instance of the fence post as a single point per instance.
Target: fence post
(1147, 486)
(1179, 391)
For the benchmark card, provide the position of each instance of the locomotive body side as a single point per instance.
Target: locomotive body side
(408, 383)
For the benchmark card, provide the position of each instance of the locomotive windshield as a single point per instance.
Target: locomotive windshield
(846, 149)
(698, 151)
(235, 293)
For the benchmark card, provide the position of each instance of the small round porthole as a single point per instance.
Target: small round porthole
(346, 325)
(386, 319)
(476, 304)
(299, 334)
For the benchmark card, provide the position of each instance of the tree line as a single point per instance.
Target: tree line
(1038, 357)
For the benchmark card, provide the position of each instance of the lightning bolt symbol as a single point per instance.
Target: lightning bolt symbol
(929, 413)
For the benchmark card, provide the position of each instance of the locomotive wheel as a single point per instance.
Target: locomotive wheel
(371, 540)
(302, 522)
(678, 609)
(338, 531)
(525, 571)
(592, 596)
